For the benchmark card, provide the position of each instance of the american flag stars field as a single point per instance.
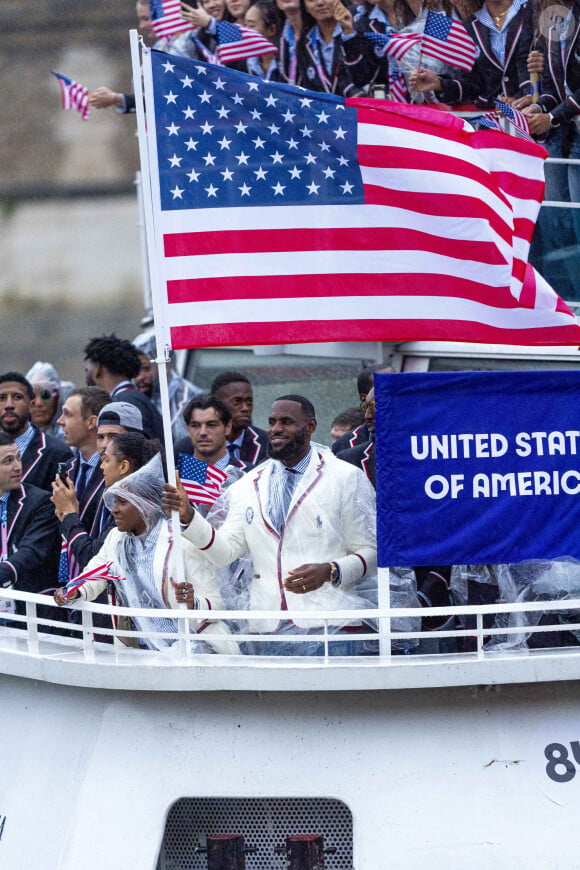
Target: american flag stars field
(220, 146)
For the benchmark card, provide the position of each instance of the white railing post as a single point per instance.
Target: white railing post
(184, 639)
(384, 602)
(88, 639)
(32, 627)
(479, 622)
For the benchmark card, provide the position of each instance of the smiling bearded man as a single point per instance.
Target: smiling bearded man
(306, 519)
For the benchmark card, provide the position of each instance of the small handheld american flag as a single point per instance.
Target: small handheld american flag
(516, 118)
(74, 96)
(202, 482)
(236, 42)
(396, 45)
(166, 18)
(101, 572)
(398, 87)
(448, 40)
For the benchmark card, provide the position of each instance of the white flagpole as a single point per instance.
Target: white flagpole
(142, 60)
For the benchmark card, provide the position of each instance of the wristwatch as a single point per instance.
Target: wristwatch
(552, 122)
(335, 577)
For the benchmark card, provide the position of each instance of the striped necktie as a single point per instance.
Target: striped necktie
(285, 497)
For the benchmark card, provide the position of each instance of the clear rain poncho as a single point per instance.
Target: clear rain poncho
(531, 581)
(136, 553)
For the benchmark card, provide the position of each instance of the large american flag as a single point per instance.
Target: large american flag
(201, 481)
(284, 216)
(74, 95)
(447, 39)
(166, 17)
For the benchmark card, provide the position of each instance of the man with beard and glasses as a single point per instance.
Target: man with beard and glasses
(307, 520)
(41, 453)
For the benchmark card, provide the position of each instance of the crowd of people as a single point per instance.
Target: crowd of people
(263, 521)
(527, 56)
(86, 512)
(331, 46)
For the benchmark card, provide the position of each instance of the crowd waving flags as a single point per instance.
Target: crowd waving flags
(74, 95)
(285, 216)
(443, 38)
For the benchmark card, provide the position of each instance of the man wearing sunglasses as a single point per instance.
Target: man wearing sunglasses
(50, 393)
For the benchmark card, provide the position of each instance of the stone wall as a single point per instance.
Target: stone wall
(54, 248)
(87, 41)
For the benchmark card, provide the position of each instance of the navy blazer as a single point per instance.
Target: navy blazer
(364, 457)
(86, 531)
(349, 72)
(33, 541)
(40, 460)
(562, 64)
(489, 78)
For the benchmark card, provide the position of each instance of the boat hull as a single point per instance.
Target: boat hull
(432, 777)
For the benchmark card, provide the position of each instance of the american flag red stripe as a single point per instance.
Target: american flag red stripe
(340, 239)
(437, 250)
(400, 43)
(525, 330)
(340, 286)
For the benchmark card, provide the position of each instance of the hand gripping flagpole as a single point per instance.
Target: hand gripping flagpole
(162, 333)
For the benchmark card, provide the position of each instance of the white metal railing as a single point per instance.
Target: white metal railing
(566, 161)
(35, 638)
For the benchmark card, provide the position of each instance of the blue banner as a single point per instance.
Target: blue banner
(477, 467)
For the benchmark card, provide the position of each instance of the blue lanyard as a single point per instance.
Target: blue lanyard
(4, 526)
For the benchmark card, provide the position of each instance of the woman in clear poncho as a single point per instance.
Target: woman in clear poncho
(142, 564)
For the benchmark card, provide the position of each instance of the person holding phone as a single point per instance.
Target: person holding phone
(204, 17)
(331, 54)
